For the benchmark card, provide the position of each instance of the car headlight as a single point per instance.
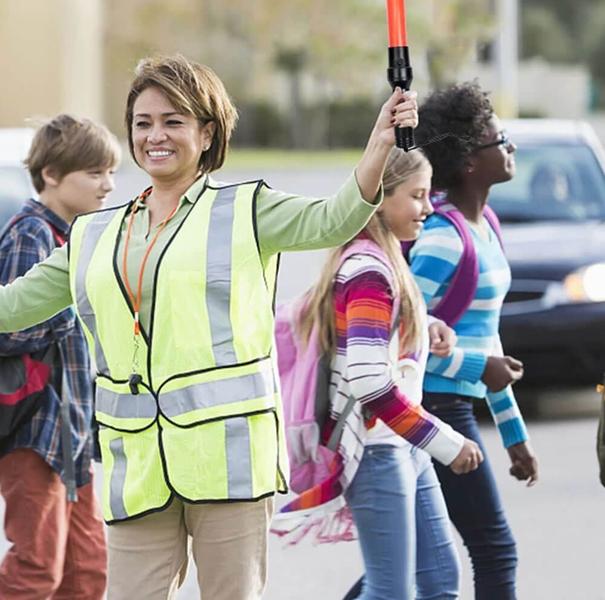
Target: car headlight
(586, 284)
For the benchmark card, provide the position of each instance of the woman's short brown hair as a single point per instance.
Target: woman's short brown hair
(192, 89)
(67, 144)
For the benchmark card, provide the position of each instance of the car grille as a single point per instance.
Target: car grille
(528, 295)
(522, 296)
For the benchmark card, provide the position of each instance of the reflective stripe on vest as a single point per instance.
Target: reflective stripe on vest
(185, 406)
(117, 479)
(94, 229)
(218, 271)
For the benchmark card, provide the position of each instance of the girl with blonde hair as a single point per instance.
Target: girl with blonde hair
(373, 323)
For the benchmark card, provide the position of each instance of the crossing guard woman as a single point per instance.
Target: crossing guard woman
(175, 292)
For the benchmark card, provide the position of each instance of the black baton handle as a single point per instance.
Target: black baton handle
(404, 138)
(400, 75)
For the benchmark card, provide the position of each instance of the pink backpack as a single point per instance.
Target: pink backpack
(304, 372)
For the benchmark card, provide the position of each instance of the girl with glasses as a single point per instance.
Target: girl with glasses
(476, 155)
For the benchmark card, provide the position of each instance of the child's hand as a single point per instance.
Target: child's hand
(501, 371)
(468, 459)
(524, 464)
(442, 338)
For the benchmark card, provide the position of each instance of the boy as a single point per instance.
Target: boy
(58, 544)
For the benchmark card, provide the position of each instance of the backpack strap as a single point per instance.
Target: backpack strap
(371, 248)
(59, 238)
(463, 285)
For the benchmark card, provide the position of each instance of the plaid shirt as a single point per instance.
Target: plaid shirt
(27, 242)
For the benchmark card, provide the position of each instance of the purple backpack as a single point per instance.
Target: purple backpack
(304, 372)
(463, 285)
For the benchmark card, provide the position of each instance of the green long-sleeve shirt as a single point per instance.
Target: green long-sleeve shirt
(285, 222)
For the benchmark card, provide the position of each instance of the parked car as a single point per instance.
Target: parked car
(15, 184)
(553, 216)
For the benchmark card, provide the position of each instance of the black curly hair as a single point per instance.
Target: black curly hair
(462, 110)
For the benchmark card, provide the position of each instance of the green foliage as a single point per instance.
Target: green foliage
(457, 28)
(336, 124)
(260, 125)
(350, 122)
(543, 35)
(566, 31)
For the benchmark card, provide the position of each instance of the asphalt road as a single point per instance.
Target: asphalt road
(559, 524)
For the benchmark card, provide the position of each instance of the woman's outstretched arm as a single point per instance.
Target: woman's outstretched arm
(37, 296)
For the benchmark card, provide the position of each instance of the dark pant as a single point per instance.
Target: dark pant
(474, 506)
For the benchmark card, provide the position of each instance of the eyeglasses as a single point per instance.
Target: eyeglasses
(503, 140)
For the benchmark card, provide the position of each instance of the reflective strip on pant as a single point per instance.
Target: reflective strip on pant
(239, 461)
(218, 276)
(90, 237)
(216, 393)
(118, 479)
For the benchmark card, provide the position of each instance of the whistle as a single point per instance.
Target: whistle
(133, 383)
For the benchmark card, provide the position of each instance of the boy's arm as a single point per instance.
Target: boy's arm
(434, 259)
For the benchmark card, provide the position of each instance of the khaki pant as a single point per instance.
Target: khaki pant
(148, 556)
(58, 547)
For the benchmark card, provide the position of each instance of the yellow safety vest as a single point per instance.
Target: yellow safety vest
(206, 425)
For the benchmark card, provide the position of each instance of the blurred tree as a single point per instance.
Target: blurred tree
(543, 35)
(564, 31)
(292, 62)
(330, 46)
(340, 42)
(594, 45)
(458, 26)
(327, 52)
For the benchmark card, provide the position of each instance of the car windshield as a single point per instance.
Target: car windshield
(552, 182)
(15, 188)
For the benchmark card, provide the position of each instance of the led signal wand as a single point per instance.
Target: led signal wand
(399, 72)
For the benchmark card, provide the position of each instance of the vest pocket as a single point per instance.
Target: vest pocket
(133, 478)
(230, 459)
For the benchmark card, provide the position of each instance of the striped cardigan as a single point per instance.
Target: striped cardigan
(434, 259)
(386, 386)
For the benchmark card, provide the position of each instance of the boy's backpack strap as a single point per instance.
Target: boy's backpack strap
(59, 238)
(461, 290)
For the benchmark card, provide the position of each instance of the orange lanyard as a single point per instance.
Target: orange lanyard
(136, 300)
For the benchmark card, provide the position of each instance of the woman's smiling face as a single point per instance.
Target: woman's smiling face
(167, 144)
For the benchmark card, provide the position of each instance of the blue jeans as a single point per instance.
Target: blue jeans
(475, 508)
(404, 531)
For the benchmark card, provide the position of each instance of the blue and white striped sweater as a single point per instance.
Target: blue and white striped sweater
(434, 258)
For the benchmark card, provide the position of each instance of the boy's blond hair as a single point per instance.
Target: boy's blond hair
(66, 144)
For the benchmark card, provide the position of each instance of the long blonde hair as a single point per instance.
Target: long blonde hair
(320, 309)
